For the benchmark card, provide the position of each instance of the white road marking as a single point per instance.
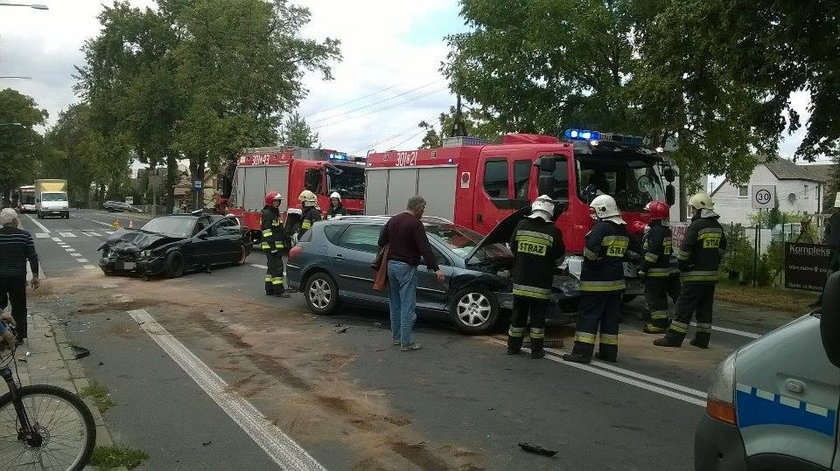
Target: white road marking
(109, 232)
(75, 254)
(89, 267)
(262, 267)
(644, 377)
(82, 260)
(91, 234)
(56, 239)
(626, 380)
(741, 333)
(41, 226)
(279, 446)
(67, 234)
(42, 235)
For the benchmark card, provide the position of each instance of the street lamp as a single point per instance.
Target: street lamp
(34, 6)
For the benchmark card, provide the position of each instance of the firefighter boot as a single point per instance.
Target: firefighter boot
(269, 288)
(581, 353)
(537, 350)
(652, 329)
(669, 341)
(514, 345)
(701, 340)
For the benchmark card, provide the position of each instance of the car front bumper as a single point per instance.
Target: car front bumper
(143, 266)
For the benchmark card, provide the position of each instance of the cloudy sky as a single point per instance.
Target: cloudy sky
(387, 82)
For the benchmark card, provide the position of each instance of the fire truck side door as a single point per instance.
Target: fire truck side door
(504, 188)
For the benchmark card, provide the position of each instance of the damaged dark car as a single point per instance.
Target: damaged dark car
(174, 245)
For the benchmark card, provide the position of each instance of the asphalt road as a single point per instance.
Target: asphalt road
(336, 388)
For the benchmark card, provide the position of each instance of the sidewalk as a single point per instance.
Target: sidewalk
(47, 357)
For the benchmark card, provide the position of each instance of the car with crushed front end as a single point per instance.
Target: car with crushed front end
(176, 244)
(331, 264)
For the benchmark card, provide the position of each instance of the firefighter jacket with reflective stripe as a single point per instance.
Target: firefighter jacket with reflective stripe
(310, 216)
(657, 251)
(333, 211)
(273, 233)
(832, 231)
(537, 248)
(603, 258)
(701, 250)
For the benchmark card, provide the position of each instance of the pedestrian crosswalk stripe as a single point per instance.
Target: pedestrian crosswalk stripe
(56, 239)
(42, 235)
(75, 254)
(89, 267)
(82, 260)
(67, 234)
(109, 232)
(91, 234)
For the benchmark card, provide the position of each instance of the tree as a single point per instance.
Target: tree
(20, 144)
(297, 133)
(474, 125)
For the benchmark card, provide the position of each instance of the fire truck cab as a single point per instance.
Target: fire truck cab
(476, 184)
(289, 172)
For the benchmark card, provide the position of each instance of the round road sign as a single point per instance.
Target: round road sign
(763, 196)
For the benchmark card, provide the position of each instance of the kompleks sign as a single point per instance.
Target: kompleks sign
(806, 266)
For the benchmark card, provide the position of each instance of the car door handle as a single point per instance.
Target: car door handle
(338, 256)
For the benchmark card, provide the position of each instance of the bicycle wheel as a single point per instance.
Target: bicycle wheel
(63, 431)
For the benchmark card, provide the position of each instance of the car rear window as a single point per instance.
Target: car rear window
(363, 237)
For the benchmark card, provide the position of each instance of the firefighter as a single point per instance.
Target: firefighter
(336, 208)
(273, 244)
(310, 212)
(601, 284)
(537, 246)
(699, 261)
(658, 267)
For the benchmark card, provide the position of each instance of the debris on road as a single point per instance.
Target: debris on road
(537, 449)
(79, 352)
(342, 330)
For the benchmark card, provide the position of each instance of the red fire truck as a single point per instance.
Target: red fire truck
(289, 171)
(476, 183)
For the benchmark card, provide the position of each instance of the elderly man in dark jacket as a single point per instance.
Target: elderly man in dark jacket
(16, 247)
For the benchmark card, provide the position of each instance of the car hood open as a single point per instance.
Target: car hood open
(502, 232)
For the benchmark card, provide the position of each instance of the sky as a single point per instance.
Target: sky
(387, 82)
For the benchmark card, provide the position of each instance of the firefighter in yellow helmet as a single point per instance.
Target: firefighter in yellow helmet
(309, 211)
(699, 260)
(273, 244)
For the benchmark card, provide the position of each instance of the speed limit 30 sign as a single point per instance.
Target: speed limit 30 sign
(763, 196)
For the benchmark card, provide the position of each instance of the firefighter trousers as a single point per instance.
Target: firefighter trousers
(528, 314)
(274, 273)
(598, 312)
(657, 292)
(695, 298)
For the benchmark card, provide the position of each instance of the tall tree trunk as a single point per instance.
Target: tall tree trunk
(171, 171)
(197, 164)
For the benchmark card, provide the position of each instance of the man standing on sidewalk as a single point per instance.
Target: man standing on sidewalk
(406, 238)
(16, 247)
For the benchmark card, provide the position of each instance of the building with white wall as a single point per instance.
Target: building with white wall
(800, 189)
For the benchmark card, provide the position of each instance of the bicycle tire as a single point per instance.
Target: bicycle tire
(73, 401)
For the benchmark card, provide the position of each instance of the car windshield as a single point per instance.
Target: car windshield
(349, 183)
(54, 196)
(633, 185)
(179, 227)
(462, 241)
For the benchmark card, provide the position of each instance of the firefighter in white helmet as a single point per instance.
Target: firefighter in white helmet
(537, 247)
(310, 212)
(699, 260)
(336, 208)
(601, 283)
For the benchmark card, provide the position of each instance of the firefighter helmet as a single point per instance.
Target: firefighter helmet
(701, 201)
(542, 207)
(307, 198)
(658, 210)
(637, 229)
(606, 209)
(335, 195)
(271, 197)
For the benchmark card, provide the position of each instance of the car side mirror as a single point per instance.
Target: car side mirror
(547, 164)
(830, 320)
(670, 195)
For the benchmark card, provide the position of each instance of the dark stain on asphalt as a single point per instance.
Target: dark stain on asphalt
(419, 455)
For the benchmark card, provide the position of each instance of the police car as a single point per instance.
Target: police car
(772, 404)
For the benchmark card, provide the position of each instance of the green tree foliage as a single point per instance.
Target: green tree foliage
(296, 132)
(20, 144)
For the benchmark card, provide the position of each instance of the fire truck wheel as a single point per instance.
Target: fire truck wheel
(174, 264)
(320, 293)
(474, 310)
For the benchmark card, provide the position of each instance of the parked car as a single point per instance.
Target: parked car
(173, 245)
(773, 403)
(331, 265)
(119, 206)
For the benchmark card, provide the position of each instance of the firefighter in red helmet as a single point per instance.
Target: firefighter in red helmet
(658, 267)
(273, 244)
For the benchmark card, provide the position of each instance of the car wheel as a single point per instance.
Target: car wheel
(474, 310)
(321, 293)
(174, 264)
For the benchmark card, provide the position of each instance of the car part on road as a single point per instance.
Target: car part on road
(80, 352)
(174, 264)
(475, 310)
(321, 293)
(537, 449)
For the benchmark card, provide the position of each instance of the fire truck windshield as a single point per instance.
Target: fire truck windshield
(349, 181)
(633, 184)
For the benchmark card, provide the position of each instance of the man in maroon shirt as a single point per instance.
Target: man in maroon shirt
(406, 239)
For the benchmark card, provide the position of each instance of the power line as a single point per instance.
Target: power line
(396, 135)
(369, 105)
(338, 119)
(383, 90)
(407, 139)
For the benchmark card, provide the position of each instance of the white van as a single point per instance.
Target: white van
(773, 403)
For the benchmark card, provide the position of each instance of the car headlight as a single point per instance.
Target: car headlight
(145, 253)
(720, 404)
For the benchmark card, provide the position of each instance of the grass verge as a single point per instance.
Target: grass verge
(789, 300)
(99, 394)
(110, 457)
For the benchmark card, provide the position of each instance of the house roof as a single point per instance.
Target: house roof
(784, 169)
